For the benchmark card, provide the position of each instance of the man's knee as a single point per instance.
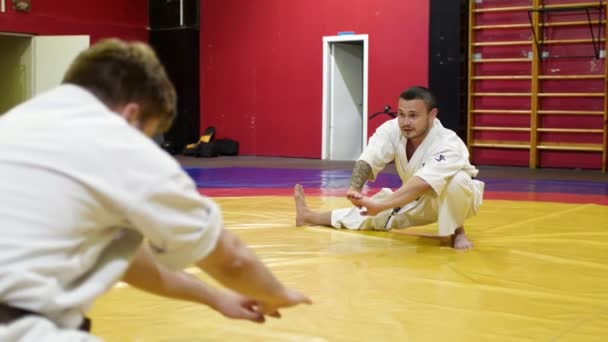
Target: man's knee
(455, 204)
(460, 182)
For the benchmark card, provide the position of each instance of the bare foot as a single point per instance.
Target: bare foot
(302, 210)
(460, 240)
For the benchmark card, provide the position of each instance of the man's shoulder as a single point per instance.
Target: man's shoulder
(442, 138)
(65, 95)
(390, 123)
(389, 127)
(57, 107)
(448, 136)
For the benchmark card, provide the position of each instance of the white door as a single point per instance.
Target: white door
(344, 130)
(51, 57)
(346, 101)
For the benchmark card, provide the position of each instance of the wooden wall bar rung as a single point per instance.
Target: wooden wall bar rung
(527, 25)
(571, 23)
(501, 60)
(570, 112)
(501, 129)
(501, 111)
(571, 94)
(503, 77)
(571, 77)
(582, 148)
(502, 94)
(502, 9)
(501, 26)
(501, 145)
(571, 130)
(504, 43)
(579, 4)
(570, 41)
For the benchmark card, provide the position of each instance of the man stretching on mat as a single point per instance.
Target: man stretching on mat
(433, 164)
(88, 199)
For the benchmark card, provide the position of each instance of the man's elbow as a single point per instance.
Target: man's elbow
(421, 185)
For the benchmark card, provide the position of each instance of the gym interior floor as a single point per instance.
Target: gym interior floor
(538, 270)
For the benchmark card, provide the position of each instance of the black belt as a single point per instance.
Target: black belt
(8, 314)
(393, 213)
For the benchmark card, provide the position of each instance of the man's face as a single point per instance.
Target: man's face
(414, 119)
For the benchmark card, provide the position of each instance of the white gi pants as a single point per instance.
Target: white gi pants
(460, 200)
(37, 329)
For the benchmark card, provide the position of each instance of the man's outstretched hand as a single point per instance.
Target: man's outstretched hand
(354, 195)
(234, 305)
(370, 206)
(288, 298)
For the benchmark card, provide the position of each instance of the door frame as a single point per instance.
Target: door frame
(327, 78)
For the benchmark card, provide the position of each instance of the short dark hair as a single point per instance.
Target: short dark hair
(118, 72)
(420, 93)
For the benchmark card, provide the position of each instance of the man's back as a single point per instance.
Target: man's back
(65, 193)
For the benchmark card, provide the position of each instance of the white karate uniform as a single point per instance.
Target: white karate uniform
(442, 160)
(80, 190)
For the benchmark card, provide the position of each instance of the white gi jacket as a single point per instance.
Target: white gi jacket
(441, 158)
(79, 191)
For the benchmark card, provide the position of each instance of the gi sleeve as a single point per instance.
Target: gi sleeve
(440, 168)
(180, 225)
(381, 148)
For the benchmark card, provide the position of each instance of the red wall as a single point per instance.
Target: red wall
(97, 18)
(261, 68)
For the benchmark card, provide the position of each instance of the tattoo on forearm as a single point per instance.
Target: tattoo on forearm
(361, 173)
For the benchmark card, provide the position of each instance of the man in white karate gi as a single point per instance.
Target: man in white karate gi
(433, 164)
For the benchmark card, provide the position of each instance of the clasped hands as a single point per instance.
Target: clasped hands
(370, 207)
